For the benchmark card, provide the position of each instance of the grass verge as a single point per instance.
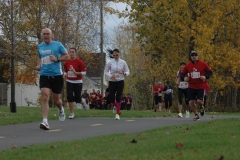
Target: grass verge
(217, 139)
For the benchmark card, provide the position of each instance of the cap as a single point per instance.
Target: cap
(182, 63)
(194, 53)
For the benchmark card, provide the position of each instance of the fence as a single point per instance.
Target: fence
(3, 94)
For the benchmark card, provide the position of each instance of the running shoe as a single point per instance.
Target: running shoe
(196, 118)
(117, 117)
(187, 114)
(180, 115)
(44, 126)
(71, 116)
(62, 115)
(202, 112)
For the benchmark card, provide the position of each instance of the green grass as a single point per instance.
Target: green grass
(218, 139)
(33, 114)
(214, 140)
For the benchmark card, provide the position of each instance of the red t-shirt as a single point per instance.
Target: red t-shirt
(78, 65)
(156, 90)
(196, 70)
(128, 100)
(99, 98)
(93, 97)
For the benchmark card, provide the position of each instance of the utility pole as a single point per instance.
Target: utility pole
(64, 43)
(13, 107)
(101, 44)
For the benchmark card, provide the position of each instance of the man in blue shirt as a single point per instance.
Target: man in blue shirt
(50, 55)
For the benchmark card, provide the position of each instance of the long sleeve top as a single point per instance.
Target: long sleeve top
(116, 67)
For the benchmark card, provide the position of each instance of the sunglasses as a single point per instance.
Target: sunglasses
(193, 55)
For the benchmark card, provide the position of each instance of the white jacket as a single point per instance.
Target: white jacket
(116, 67)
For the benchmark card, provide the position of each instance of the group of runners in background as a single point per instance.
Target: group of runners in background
(192, 85)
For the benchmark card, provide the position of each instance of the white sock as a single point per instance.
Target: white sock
(61, 110)
(45, 120)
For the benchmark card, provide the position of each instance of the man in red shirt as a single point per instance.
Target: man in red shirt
(93, 99)
(157, 90)
(128, 102)
(199, 71)
(99, 100)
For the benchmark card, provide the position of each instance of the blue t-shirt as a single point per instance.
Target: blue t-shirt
(168, 91)
(49, 68)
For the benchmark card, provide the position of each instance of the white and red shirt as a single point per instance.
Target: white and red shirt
(196, 70)
(78, 66)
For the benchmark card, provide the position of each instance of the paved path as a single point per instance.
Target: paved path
(23, 135)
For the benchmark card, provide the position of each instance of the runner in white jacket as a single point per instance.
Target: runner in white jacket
(116, 70)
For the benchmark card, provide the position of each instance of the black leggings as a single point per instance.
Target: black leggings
(115, 88)
(182, 92)
(168, 102)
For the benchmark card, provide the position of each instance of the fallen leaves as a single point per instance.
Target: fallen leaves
(221, 158)
(232, 135)
(53, 146)
(14, 146)
(76, 146)
(179, 145)
(133, 141)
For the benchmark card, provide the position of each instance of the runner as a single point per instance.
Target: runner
(74, 70)
(116, 70)
(157, 90)
(199, 71)
(168, 92)
(50, 55)
(182, 90)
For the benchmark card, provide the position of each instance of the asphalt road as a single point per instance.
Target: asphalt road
(24, 135)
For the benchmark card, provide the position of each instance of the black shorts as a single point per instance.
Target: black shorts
(55, 83)
(192, 94)
(158, 99)
(74, 92)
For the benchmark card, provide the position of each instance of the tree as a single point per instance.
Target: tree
(168, 30)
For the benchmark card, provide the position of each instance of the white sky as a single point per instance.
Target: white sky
(112, 21)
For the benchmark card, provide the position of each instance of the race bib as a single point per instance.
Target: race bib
(160, 94)
(168, 91)
(46, 60)
(117, 76)
(71, 74)
(183, 84)
(93, 95)
(195, 75)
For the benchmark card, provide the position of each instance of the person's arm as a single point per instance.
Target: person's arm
(107, 70)
(83, 69)
(38, 67)
(126, 70)
(63, 57)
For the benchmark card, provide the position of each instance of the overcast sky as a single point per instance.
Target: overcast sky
(112, 21)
